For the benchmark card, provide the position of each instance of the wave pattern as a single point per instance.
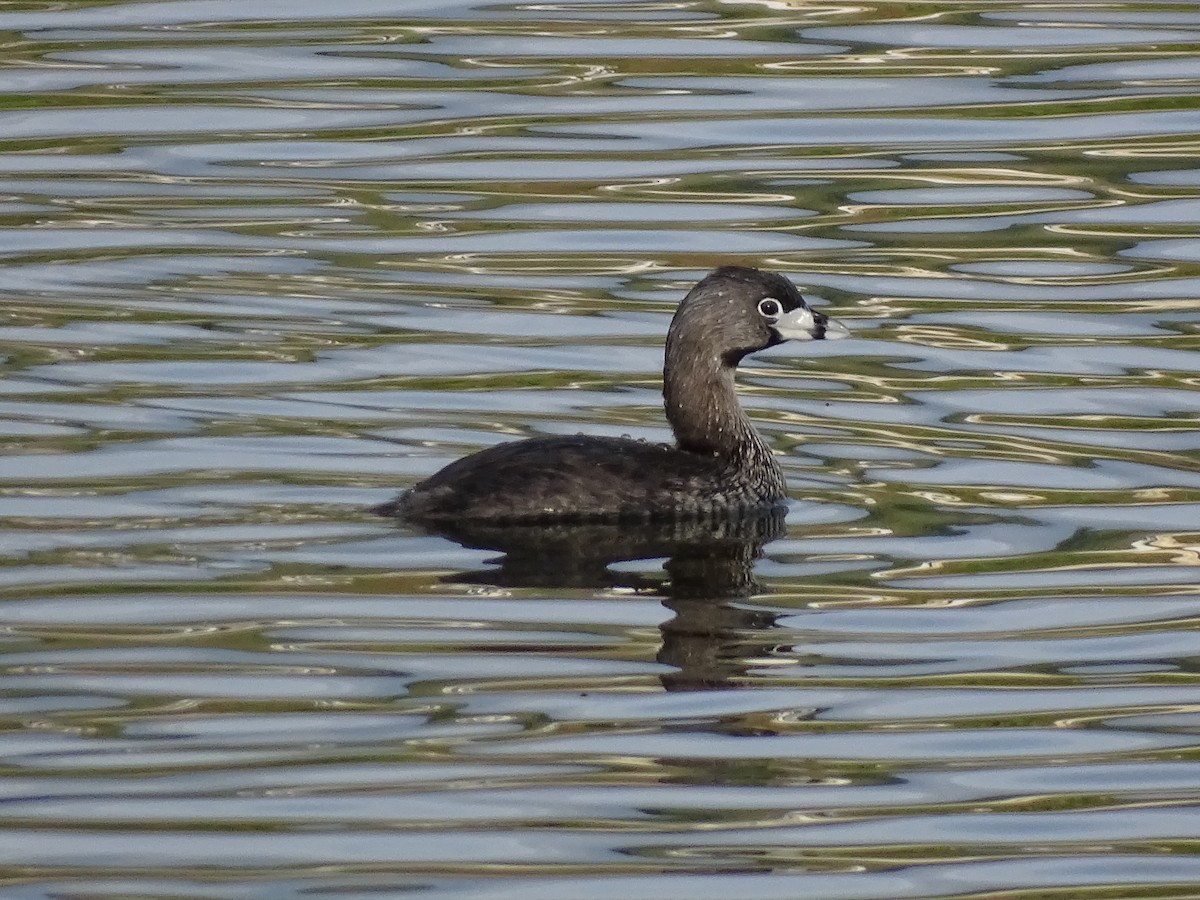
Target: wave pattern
(264, 264)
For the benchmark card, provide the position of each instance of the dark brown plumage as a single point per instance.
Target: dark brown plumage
(720, 466)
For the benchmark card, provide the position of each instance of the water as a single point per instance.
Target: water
(265, 264)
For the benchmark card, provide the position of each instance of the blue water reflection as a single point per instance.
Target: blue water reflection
(266, 264)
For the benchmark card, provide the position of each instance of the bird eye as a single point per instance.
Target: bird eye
(769, 308)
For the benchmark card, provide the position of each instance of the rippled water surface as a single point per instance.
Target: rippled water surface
(264, 264)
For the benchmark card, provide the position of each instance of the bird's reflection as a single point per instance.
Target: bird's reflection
(709, 563)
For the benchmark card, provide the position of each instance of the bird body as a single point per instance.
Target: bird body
(719, 467)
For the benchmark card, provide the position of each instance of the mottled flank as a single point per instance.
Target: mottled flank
(588, 478)
(720, 465)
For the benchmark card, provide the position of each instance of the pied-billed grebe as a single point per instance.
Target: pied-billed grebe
(719, 466)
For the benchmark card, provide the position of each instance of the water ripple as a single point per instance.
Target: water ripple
(266, 264)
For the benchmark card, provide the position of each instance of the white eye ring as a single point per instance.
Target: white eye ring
(769, 308)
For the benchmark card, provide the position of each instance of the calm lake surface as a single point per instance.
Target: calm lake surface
(265, 264)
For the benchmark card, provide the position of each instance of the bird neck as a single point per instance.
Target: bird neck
(703, 408)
